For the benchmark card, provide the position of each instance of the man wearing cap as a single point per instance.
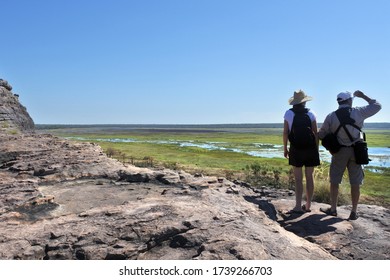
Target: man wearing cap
(345, 157)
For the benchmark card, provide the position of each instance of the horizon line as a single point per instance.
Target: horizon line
(183, 124)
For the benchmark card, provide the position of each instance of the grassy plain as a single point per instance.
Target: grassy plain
(157, 147)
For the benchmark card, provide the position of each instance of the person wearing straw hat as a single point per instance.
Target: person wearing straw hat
(300, 130)
(345, 157)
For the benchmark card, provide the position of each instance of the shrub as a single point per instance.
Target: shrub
(171, 165)
(322, 193)
(110, 152)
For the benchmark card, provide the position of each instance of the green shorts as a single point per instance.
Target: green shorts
(345, 159)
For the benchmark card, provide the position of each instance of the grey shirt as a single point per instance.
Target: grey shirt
(359, 114)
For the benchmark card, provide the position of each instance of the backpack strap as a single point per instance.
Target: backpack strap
(299, 110)
(302, 110)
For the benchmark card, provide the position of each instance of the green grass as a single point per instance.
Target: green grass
(191, 157)
(375, 189)
(378, 138)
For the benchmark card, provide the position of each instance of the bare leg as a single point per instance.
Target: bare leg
(355, 195)
(298, 188)
(334, 193)
(309, 186)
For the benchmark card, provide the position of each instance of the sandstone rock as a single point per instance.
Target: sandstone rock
(67, 200)
(93, 207)
(5, 84)
(167, 177)
(13, 116)
(366, 238)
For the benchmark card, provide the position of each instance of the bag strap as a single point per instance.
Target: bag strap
(337, 130)
(348, 133)
(345, 119)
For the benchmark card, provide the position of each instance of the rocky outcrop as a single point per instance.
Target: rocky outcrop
(64, 200)
(67, 200)
(366, 238)
(13, 116)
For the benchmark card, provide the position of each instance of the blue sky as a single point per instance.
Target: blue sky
(192, 61)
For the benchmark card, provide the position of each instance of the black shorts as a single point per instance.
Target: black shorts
(304, 157)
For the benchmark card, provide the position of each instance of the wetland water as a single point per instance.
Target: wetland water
(380, 156)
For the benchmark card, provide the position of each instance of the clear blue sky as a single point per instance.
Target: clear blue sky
(192, 61)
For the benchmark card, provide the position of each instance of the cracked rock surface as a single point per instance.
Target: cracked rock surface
(67, 200)
(64, 200)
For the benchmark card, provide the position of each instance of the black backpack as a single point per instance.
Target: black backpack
(301, 135)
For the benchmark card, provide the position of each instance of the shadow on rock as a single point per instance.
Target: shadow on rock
(264, 205)
(310, 224)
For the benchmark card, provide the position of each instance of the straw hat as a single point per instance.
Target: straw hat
(299, 97)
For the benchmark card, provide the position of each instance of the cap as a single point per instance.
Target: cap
(342, 96)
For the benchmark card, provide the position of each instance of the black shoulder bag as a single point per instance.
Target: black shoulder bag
(331, 143)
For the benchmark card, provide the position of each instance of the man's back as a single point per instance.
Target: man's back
(358, 114)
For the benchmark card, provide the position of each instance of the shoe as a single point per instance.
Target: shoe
(304, 209)
(353, 216)
(329, 212)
